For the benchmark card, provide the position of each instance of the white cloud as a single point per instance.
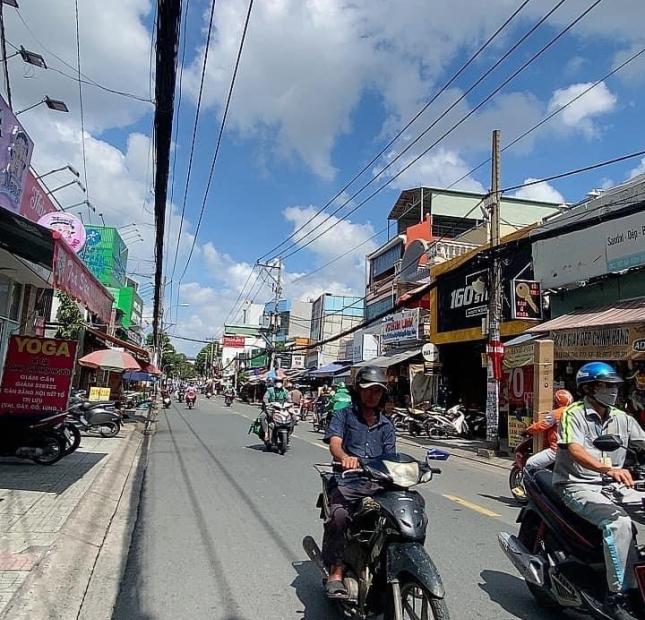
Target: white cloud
(540, 191)
(580, 114)
(640, 169)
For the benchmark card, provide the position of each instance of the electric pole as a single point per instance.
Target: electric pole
(277, 289)
(494, 348)
(3, 42)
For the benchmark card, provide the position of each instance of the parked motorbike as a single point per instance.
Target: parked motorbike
(33, 437)
(476, 420)
(388, 571)
(280, 418)
(448, 423)
(95, 418)
(516, 477)
(559, 554)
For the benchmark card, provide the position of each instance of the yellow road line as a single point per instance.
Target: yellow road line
(476, 507)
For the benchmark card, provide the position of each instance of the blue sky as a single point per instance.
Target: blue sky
(322, 86)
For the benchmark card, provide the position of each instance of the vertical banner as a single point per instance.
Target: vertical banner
(37, 374)
(15, 155)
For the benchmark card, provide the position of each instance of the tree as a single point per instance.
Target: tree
(172, 362)
(69, 317)
(205, 356)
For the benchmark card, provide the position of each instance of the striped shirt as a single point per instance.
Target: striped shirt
(581, 424)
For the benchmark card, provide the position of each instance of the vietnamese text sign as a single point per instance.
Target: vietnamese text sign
(517, 400)
(72, 277)
(625, 242)
(35, 202)
(526, 300)
(620, 342)
(37, 374)
(233, 342)
(99, 393)
(15, 155)
(401, 326)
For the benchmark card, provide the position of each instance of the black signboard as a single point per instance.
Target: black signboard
(463, 294)
(526, 296)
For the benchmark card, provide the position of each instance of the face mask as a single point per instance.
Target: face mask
(606, 395)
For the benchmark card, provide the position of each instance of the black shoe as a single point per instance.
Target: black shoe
(617, 606)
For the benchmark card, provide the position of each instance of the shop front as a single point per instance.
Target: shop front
(615, 334)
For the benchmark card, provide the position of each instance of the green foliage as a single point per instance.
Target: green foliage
(205, 356)
(69, 317)
(173, 363)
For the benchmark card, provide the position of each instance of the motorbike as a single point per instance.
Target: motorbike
(516, 477)
(559, 554)
(33, 437)
(476, 422)
(180, 395)
(388, 570)
(228, 399)
(190, 400)
(448, 423)
(319, 419)
(209, 394)
(91, 417)
(280, 418)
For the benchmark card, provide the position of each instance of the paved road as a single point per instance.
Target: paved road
(220, 524)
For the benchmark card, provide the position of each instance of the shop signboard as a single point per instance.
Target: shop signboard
(37, 374)
(106, 255)
(526, 300)
(99, 394)
(463, 294)
(233, 342)
(430, 352)
(517, 390)
(35, 202)
(401, 326)
(617, 342)
(297, 361)
(365, 346)
(70, 227)
(15, 155)
(608, 247)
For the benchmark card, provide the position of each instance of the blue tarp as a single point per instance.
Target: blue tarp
(138, 376)
(329, 370)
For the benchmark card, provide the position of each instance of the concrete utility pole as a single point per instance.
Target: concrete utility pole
(277, 288)
(495, 306)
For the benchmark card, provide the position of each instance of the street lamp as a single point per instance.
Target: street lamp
(52, 104)
(31, 58)
(74, 182)
(69, 167)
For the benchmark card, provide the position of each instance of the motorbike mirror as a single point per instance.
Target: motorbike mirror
(426, 477)
(608, 443)
(434, 454)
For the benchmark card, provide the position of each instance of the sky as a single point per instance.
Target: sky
(323, 86)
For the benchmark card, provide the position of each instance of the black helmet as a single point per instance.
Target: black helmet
(368, 376)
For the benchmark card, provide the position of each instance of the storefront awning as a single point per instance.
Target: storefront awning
(329, 370)
(619, 313)
(139, 352)
(26, 239)
(396, 357)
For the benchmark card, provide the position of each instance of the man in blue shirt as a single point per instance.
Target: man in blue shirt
(359, 431)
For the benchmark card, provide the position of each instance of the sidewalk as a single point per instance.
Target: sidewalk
(54, 521)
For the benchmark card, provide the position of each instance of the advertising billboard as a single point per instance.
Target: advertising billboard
(70, 227)
(16, 148)
(400, 327)
(106, 255)
(35, 202)
(37, 374)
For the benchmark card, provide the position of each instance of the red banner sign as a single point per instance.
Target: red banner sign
(35, 202)
(234, 342)
(37, 374)
(74, 278)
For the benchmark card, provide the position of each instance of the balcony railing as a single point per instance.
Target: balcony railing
(441, 251)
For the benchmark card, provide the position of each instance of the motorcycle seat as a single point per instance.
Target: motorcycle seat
(544, 480)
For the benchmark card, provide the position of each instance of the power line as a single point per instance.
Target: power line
(408, 124)
(569, 173)
(193, 141)
(80, 99)
(499, 61)
(219, 137)
(242, 291)
(457, 124)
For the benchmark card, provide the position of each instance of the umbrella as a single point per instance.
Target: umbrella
(110, 359)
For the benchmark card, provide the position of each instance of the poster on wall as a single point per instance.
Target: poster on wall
(518, 395)
(37, 374)
(15, 155)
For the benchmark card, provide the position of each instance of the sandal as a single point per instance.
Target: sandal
(336, 589)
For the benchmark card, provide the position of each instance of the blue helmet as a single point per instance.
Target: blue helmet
(597, 371)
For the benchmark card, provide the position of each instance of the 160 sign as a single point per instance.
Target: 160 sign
(467, 296)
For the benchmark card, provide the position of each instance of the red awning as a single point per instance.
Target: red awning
(74, 278)
(151, 369)
(138, 351)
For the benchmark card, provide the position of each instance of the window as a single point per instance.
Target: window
(385, 262)
(382, 305)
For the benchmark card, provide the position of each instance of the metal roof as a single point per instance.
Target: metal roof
(385, 361)
(632, 311)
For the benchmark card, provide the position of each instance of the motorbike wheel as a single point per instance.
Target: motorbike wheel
(109, 429)
(54, 447)
(516, 484)
(417, 602)
(528, 537)
(435, 431)
(73, 444)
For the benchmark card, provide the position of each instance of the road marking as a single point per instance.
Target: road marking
(466, 504)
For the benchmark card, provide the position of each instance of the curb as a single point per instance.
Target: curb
(64, 585)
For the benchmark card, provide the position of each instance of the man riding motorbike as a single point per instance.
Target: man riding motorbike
(580, 468)
(359, 430)
(549, 426)
(276, 393)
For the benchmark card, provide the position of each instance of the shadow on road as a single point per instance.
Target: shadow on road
(308, 585)
(511, 502)
(512, 595)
